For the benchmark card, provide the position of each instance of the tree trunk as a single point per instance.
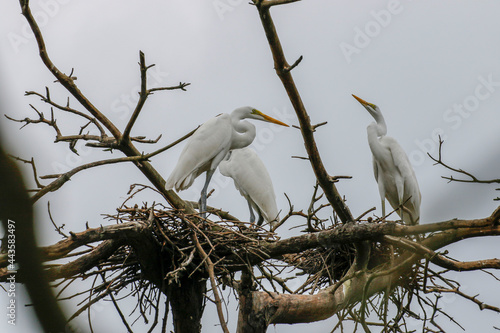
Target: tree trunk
(187, 303)
(249, 320)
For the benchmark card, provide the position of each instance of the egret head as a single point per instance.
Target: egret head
(371, 108)
(376, 114)
(252, 113)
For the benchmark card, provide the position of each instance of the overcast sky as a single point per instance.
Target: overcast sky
(432, 67)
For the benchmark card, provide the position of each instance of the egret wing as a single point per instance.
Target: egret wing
(207, 143)
(409, 184)
(252, 180)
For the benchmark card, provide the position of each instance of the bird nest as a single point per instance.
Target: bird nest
(175, 246)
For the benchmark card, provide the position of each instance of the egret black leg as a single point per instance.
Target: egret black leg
(383, 207)
(252, 216)
(261, 220)
(203, 198)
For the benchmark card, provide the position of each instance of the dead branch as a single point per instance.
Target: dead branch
(143, 95)
(86, 262)
(473, 179)
(440, 259)
(481, 305)
(66, 108)
(209, 265)
(33, 167)
(41, 120)
(283, 71)
(63, 178)
(270, 3)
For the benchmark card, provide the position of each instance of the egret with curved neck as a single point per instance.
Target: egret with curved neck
(393, 172)
(209, 144)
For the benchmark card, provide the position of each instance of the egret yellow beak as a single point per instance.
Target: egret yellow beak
(269, 119)
(363, 102)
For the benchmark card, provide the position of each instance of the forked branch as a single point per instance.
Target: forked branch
(143, 95)
(472, 178)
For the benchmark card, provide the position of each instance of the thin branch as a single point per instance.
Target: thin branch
(270, 3)
(473, 179)
(41, 119)
(318, 125)
(481, 305)
(441, 260)
(209, 265)
(288, 69)
(33, 167)
(66, 108)
(142, 139)
(161, 150)
(363, 214)
(63, 178)
(182, 86)
(301, 157)
(144, 93)
(58, 229)
(120, 313)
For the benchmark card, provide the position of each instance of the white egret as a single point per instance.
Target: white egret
(393, 171)
(251, 178)
(210, 143)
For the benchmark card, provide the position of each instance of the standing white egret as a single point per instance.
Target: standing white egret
(210, 143)
(251, 178)
(393, 171)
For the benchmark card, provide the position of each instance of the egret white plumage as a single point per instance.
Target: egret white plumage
(252, 179)
(210, 143)
(394, 174)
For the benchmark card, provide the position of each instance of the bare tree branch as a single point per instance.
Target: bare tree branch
(63, 178)
(209, 265)
(482, 305)
(41, 119)
(473, 179)
(144, 93)
(66, 108)
(441, 260)
(270, 3)
(283, 71)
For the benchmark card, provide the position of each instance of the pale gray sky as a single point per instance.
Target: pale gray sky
(432, 67)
